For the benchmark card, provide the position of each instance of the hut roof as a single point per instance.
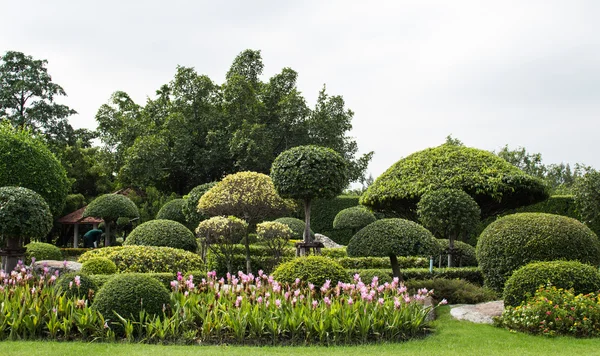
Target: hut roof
(76, 217)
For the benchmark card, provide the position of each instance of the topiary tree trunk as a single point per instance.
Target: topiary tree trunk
(9, 262)
(395, 267)
(451, 239)
(307, 237)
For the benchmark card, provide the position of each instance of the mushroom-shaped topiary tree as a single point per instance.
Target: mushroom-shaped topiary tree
(27, 162)
(309, 172)
(296, 225)
(173, 210)
(250, 196)
(221, 234)
(190, 209)
(24, 214)
(449, 214)
(276, 236)
(166, 233)
(495, 184)
(110, 207)
(392, 238)
(353, 218)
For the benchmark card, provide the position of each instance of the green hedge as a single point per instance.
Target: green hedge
(470, 274)
(334, 252)
(98, 265)
(311, 269)
(464, 255)
(455, 291)
(164, 278)
(67, 284)
(42, 251)
(73, 252)
(322, 214)
(381, 262)
(261, 258)
(168, 233)
(147, 259)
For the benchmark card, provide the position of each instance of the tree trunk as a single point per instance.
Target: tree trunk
(107, 234)
(395, 267)
(10, 262)
(450, 251)
(248, 264)
(307, 237)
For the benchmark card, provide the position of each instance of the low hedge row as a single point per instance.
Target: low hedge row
(73, 252)
(469, 274)
(238, 263)
(164, 278)
(381, 262)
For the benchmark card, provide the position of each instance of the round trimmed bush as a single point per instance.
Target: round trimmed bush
(167, 233)
(147, 259)
(98, 265)
(42, 251)
(110, 207)
(27, 162)
(562, 274)
(23, 213)
(297, 226)
(353, 218)
(464, 254)
(67, 283)
(518, 239)
(129, 294)
(190, 209)
(311, 269)
(173, 210)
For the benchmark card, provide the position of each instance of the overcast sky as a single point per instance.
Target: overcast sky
(522, 73)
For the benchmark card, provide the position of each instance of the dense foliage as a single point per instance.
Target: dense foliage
(173, 210)
(353, 218)
(495, 184)
(146, 259)
(392, 238)
(221, 235)
(98, 265)
(296, 225)
(380, 262)
(464, 254)
(555, 311)
(455, 291)
(262, 259)
(110, 207)
(166, 233)
(523, 283)
(323, 212)
(312, 269)
(516, 240)
(23, 213)
(469, 274)
(275, 236)
(42, 251)
(190, 209)
(587, 197)
(27, 162)
(128, 294)
(77, 284)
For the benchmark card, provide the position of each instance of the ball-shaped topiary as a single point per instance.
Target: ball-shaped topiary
(110, 207)
(173, 210)
(98, 265)
(495, 184)
(129, 294)
(166, 233)
(311, 269)
(309, 172)
(190, 209)
(23, 213)
(526, 280)
(68, 283)
(27, 162)
(464, 254)
(392, 238)
(354, 218)
(518, 239)
(42, 251)
(296, 225)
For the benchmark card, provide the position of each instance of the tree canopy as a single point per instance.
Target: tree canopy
(495, 184)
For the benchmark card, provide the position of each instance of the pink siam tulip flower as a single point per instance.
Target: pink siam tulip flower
(315, 304)
(444, 302)
(278, 303)
(375, 281)
(296, 292)
(77, 281)
(402, 289)
(311, 286)
(380, 301)
(259, 300)
(350, 301)
(297, 281)
(238, 301)
(65, 263)
(260, 272)
(356, 277)
(32, 260)
(396, 303)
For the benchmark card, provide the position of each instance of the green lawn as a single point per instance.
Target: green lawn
(451, 338)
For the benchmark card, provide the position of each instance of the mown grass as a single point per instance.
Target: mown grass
(450, 338)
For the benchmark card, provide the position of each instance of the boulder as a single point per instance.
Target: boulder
(327, 242)
(61, 266)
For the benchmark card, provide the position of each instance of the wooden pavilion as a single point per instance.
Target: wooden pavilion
(75, 219)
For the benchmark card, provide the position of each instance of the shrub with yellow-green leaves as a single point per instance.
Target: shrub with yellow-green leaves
(275, 236)
(221, 234)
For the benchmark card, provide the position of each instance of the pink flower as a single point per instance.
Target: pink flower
(77, 281)
(70, 284)
(350, 301)
(238, 301)
(327, 301)
(356, 277)
(179, 276)
(315, 304)
(297, 292)
(278, 303)
(259, 300)
(380, 301)
(297, 281)
(260, 272)
(32, 260)
(311, 286)
(65, 263)
(396, 303)
(444, 302)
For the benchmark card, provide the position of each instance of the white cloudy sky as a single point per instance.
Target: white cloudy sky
(523, 73)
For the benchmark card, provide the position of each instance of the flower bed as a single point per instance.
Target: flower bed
(242, 309)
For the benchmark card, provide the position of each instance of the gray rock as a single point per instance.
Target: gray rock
(60, 266)
(481, 313)
(329, 243)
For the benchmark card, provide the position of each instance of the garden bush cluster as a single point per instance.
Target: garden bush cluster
(167, 233)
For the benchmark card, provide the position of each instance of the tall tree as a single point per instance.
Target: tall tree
(27, 97)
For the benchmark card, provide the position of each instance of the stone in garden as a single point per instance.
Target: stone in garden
(71, 266)
(329, 243)
(481, 313)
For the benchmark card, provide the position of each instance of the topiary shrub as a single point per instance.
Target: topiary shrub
(110, 207)
(336, 252)
(392, 238)
(165, 278)
(455, 291)
(167, 233)
(311, 269)
(190, 209)
(469, 274)
(307, 173)
(262, 259)
(42, 251)
(27, 162)
(275, 236)
(464, 254)
(147, 259)
(353, 218)
(98, 265)
(297, 226)
(68, 284)
(516, 240)
(129, 294)
(495, 184)
(173, 210)
(526, 280)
